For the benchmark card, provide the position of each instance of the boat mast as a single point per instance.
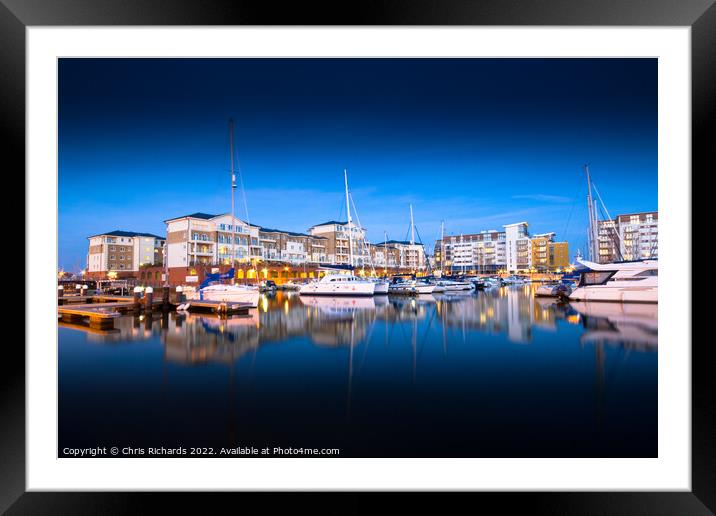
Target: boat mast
(412, 227)
(593, 229)
(348, 211)
(442, 247)
(233, 187)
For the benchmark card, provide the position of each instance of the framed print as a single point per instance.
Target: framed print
(416, 250)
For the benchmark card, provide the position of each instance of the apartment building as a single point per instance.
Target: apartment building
(608, 240)
(338, 236)
(639, 235)
(206, 239)
(547, 254)
(519, 255)
(512, 250)
(123, 252)
(288, 246)
(398, 254)
(632, 236)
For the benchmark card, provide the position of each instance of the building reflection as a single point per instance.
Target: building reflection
(345, 322)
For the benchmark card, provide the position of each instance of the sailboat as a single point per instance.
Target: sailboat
(381, 285)
(222, 291)
(341, 284)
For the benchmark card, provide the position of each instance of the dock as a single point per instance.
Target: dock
(99, 311)
(98, 318)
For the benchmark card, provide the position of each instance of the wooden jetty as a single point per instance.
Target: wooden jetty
(100, 318)
(99, 311)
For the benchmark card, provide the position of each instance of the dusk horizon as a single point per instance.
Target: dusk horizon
(476, 143)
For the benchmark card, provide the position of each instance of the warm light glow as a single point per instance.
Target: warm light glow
(112, 275)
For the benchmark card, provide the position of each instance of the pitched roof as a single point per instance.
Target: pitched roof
(403, 242)
(330, 222)
(291, 233)
(121, 233)
(197, 215)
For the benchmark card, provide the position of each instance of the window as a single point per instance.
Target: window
(596, 277)
(649, 272)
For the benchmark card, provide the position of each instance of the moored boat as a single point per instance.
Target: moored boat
(561, 289)
(635, 282)
(228, 293)
(339, 285)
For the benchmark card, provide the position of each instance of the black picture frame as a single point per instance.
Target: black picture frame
(16, 15)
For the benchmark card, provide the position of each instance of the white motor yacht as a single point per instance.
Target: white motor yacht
(618, 282)
(228, 293)
(404, 288)
(339, 285)
(381, 286)
(456, 286)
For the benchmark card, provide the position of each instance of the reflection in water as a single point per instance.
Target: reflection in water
(467, 383)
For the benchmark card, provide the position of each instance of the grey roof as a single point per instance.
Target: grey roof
(403, 242)
(292, 233)
(197, 215)
(121, 233)
(330, 222)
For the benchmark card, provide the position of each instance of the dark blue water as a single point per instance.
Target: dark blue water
(490, 374)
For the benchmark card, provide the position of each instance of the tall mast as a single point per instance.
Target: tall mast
(233, 187)
(593, 225)
(412, 227)
(442, 246)
(348, 211)
(385, 247)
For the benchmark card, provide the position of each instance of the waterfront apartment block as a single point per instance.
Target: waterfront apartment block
(511, 250)
(398, 254)
(632, 236)
(547, 254)
(205, 239)
(639, 235)
(337, 237)
(291, 247)
(121, 253)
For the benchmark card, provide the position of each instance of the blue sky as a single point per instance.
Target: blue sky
(477, 143)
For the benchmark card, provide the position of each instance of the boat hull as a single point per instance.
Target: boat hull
(381, 288)
(606, 293)
(367, 289)
(249, 296)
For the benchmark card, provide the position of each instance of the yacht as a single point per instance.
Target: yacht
(209, 290)
(513, 280)
(339, 285)
(402, 287)
(423, 287)
(456, 286)
(618, 282)
(411, 285)
(227, 293)
(560, 289)
(381, 285)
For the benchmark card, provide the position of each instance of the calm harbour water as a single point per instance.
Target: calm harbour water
(495, 373)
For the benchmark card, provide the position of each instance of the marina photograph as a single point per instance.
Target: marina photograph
(357, 257)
